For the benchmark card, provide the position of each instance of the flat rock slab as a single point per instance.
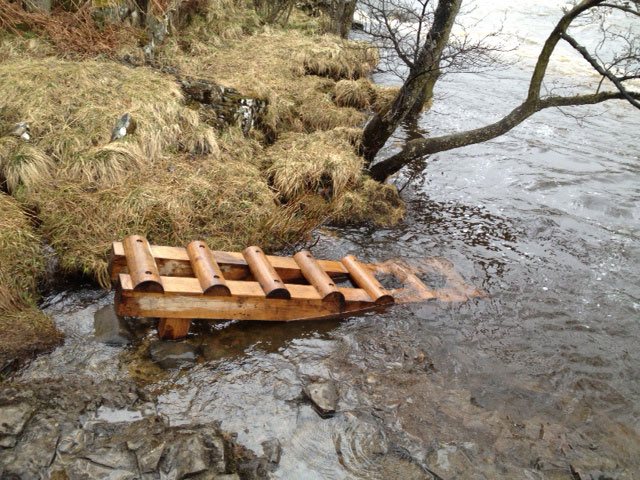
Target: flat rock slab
(110, 328)
(323, 396)
(13, 418)
(173, 354)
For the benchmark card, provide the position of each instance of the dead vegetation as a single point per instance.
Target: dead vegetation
(72, 108)
(24, 328)
(175, 178)
(70, 32)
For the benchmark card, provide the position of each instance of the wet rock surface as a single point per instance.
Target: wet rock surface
(323, 395)
(57, 431)
(169, 355)
(109, 328)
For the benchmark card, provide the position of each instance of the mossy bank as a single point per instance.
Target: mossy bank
(179, 175)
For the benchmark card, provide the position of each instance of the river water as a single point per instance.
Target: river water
(540, 377)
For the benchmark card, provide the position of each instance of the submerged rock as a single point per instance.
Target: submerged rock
(12, 421)
(110, 328)
(58, 433)
(173, 354)
(324, 397)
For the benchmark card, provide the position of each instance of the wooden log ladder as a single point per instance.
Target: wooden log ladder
(178, 285)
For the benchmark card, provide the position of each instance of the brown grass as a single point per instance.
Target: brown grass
(72, 33)
(356, 94)
(175, 179)
(72, 108)
(24, 328)
(382, 98)
(321, 162)
(271, 65)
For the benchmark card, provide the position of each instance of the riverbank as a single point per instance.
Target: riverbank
(188, 167)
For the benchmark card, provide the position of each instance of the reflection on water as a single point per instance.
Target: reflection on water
(541, 377)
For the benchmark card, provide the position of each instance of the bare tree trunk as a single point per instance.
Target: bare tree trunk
(340, 13)
(420, 147)
(423, 74)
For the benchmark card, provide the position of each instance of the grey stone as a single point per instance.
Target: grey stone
(272, 450)
(148, 458)
(172, 354)
(323, 396)
(110, 328)
(75, 441)
(157, 28)
(34, 450)
(14, 417)
(187, 456)
(116, 12)
(221, 106)
(126, 125)
(113, 457)
(38, 5)
(8, 441)
(83, 469)
(21, 130)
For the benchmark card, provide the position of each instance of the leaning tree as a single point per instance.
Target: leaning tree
(426, 47)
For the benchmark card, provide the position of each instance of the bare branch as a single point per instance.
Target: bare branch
(605, 73)
(420, 147)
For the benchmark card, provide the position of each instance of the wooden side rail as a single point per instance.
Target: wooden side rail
(265, 274)
(364, 279)
(142, 267)
(206, 270)
(317, 277)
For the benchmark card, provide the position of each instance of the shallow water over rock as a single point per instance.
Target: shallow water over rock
(539, 380)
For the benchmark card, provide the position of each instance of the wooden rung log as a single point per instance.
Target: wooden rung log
(206, 270)
(265, 274)
(141, 264)
(364, 279)
(317, 277)
(173, 328)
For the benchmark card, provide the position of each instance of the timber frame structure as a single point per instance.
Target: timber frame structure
(177, 285)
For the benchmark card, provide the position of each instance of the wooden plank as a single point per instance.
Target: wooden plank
(229, 308)
(364, 279)
(207, 270)
(191, 287)
(317, 277)
(174, 261)
(173, 328)
(144, 272)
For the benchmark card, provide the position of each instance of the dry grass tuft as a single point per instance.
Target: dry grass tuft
(175, 179)
(370, 202)
(351, 93)
(24, 328)
(72, 108)
(23, 164)
(337, 59)
(21, 262)
(382, 98)
(321, 163)
(25, 333)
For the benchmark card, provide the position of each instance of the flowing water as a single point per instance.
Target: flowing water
(540, 377)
